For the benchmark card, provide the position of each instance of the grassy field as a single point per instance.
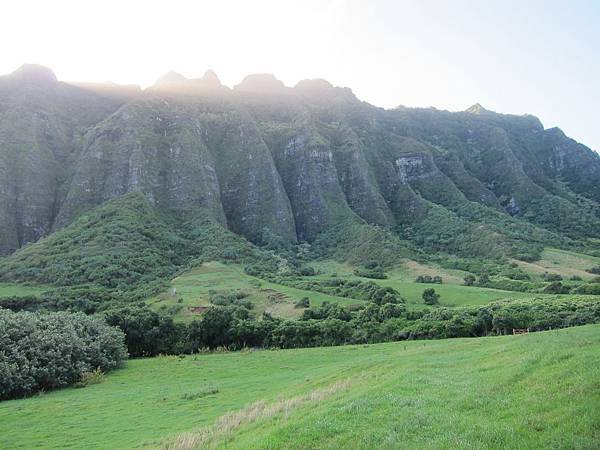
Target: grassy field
(193, 288)
(20, 290)
(539, 390)
(561, 262)
(452, 292)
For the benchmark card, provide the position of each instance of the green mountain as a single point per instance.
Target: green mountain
(300, 163)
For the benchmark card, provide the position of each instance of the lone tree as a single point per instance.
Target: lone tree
(469, 280)
(303, 303)
(430, 297)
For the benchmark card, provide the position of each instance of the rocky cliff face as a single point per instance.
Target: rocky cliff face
(41, 125)
(293, 161)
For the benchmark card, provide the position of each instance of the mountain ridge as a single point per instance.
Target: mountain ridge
(294, 161)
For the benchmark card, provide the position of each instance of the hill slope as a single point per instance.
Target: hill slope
(532, 391)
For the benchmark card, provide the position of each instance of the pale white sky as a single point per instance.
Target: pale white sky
(538, 57)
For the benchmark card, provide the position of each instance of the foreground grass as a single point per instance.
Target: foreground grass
(534, 391)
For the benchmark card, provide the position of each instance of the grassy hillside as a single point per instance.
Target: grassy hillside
(192, 289)
(532, 391)
(562, 262)
(125, 246)
(452, 292)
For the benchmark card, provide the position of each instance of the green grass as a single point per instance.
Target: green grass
(561, 262)
(452, 292)
(526, 392)
(533, 391)
(193, 287)
(20, 290)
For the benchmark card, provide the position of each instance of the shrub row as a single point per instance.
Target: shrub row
(149, 333)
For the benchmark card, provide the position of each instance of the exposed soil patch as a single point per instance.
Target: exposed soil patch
(275, 296)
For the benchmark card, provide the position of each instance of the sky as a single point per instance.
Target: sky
(527, 56)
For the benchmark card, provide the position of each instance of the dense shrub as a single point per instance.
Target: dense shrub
(359, 290)
(147, 332)
(595, 270)
(429, 279)
(502, 317)
(507, 284)
(45, 351)
(588, 289)
(483, 280)
(231, 298)
(304, 302)
(25, 303)
(377, 273)
(514, 273)
(430, 297)
(389, 322)
(332, 324)
(327, 311)
(469, 280)
(556, 287)
(371, 269)
(131, 251)
(552, 277)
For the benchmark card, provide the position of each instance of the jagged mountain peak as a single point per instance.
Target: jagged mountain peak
(323, 89)
(171, 78)
(211, 78)
(261, 83)
(315, 87)
(34, 73)
(314, 84)
(477, 109)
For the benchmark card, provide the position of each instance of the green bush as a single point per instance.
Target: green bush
(429, 279)
(45, 351)
(552, 277)
(430, 297)
(469, 280)
(376, 274)
(507, 284)
(556, 287)
(595, 270)
(147, 332)
(304, 302)
(588, 289)
(327, 311)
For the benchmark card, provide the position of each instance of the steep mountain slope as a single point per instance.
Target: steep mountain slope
(513, 157)
(293, 162)
(123, 248)
(41, 123)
